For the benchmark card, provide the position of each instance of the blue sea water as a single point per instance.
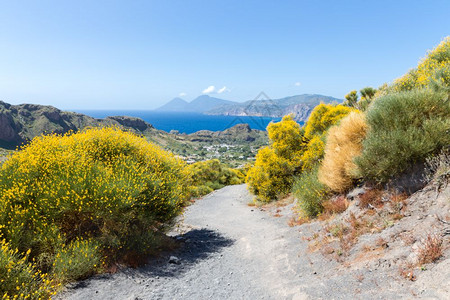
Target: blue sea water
(185, 122)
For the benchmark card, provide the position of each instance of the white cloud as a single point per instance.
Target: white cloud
(298, 83)
(222, 90)
(182, 94)
(210, 89)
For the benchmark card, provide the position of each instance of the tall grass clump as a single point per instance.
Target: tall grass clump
(344, 143)
(310, 193)
(77, 201)
(404, 128)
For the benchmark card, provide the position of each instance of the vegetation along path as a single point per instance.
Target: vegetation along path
(231, 250)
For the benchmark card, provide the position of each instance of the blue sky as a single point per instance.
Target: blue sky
(140, 54)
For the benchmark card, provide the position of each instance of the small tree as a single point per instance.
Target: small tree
(367, 93)
(351, 99)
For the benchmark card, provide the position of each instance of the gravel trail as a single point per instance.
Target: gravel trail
(233, 251)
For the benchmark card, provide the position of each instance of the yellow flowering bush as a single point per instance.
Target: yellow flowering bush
(210, 175)
(272, 174)
(314, 152)
(286, 138)
(344, 143)
(96, 192)
(80, 258)
(321, 119)
(427, 70)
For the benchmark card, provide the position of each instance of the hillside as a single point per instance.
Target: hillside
(200, 104)
(21, 123)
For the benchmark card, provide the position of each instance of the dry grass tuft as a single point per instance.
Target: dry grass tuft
(335, 206)
(407, 272)
(430, 250)
(382, 243)
(297, 221)
(372, 197)
(344, 142)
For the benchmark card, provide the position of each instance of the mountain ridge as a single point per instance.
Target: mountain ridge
(200, 104)
(299, 105)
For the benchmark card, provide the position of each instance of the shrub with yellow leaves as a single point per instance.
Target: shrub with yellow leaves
(271, 176)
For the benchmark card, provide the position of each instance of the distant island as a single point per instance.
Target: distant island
(300, 106)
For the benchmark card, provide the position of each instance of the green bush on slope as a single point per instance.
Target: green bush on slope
(210, 175)
(310, 193)
(404, 128)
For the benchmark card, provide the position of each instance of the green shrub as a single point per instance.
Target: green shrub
(98, 192)
(310, 193)
(404, 128)
(210, 175)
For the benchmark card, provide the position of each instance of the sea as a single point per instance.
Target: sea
(185, 122)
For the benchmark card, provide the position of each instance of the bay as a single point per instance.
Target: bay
(185, 122)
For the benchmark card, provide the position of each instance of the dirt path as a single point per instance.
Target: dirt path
(234, 251)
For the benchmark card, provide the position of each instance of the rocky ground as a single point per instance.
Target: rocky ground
(230, 250)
